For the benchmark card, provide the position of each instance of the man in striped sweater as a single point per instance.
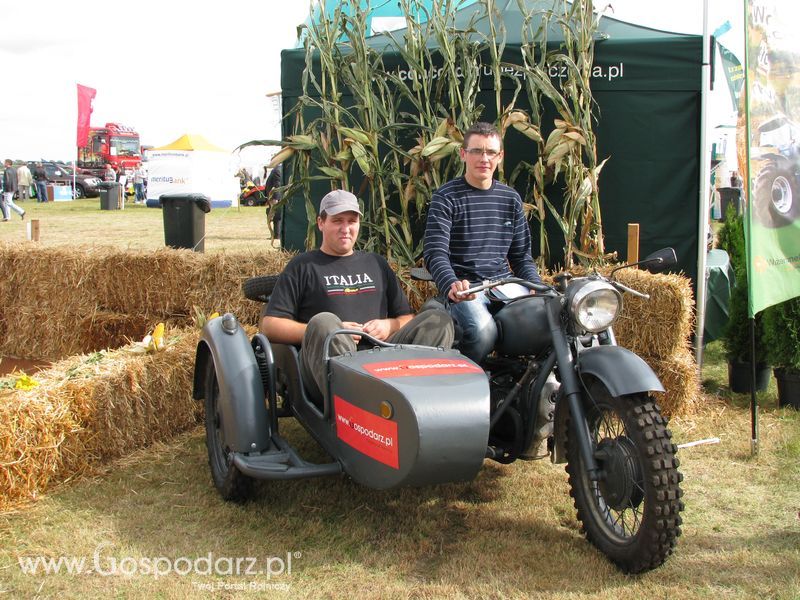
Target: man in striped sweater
(476, 230)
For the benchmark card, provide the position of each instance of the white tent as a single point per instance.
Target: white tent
(191, 164)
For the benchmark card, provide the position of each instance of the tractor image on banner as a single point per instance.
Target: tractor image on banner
(773, 154)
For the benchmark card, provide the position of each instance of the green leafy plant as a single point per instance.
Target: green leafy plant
(736, 336)
(782, 334)
(393, 139)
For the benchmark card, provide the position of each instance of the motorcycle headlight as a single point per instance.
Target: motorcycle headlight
(595, 306)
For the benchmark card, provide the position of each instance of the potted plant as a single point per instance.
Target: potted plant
(736, 335)
(782, 337)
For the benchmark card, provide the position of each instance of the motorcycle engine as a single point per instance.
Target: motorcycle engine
(543, 413)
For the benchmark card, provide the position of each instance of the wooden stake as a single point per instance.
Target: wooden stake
(35, 230)
(633, 243)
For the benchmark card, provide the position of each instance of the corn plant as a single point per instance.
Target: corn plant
(398, 134)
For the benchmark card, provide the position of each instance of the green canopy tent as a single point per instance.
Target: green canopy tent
(647, 85)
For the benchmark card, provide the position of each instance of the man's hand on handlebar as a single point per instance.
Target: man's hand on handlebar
(352, 325)
(457, 289)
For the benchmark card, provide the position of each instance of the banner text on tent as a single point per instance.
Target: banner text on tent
(609, 72)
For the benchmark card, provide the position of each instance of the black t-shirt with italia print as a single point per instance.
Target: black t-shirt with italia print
(357, 288)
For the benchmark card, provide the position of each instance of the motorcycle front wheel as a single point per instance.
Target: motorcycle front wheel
(632, 514)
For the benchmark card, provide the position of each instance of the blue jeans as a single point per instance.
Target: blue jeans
(41, 191)
(478, 329)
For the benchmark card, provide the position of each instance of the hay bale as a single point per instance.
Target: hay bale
(662, 325)
(148, 283)
(679, 375)
(92, 408)
(78, 295)
(107, 329)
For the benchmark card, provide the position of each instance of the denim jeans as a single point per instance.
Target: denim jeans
(478, 329)
(41, 191)
(8, 203)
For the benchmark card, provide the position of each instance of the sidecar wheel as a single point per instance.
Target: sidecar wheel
(633, 513)
(231, 483)
(259, 288)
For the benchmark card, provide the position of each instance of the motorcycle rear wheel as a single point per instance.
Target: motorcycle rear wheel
(632, 514)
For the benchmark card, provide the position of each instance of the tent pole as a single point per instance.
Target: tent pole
(705, 175)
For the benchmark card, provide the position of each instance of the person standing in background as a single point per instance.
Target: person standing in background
(274, 196)
(138, 184)
(24, 180)
(40, 178)
(9, 188)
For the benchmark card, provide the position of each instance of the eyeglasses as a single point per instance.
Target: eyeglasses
(490, 153)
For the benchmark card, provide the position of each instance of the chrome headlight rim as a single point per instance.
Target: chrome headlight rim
(583, 306)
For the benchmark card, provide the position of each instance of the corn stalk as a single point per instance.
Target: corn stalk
(399, 132)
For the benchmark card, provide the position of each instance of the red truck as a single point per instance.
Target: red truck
(112, 144)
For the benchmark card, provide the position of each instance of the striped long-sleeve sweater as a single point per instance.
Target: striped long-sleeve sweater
(477, 234)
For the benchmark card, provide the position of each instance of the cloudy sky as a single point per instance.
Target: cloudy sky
(169, 67)
(165, 67)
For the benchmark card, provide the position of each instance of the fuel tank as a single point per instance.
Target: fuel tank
(409, 415)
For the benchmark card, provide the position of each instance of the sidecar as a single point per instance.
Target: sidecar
(392, 415)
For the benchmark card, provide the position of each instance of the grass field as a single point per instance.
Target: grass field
(136, 227)
(152, 526)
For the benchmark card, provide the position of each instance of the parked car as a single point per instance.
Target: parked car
(58, 174)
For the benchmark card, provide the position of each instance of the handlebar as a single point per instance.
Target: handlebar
(538, 287)
(625, 288)
(327, 345)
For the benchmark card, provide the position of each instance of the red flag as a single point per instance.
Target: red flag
(85, 97)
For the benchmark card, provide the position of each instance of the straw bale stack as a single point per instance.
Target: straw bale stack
(65, 300)
(662, 325)
(91, 408)
(678, 373)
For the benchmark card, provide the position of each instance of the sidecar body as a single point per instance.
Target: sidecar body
(393, 415)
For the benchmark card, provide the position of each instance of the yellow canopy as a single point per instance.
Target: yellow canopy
(191, 141)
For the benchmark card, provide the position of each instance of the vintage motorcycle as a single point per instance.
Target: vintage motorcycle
(557, 384)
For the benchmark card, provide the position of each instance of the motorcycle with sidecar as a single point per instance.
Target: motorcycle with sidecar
(556, 384)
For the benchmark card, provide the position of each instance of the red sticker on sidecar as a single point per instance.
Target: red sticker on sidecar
(368, 433)
(422, 367)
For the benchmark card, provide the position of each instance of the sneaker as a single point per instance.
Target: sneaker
(22, 216)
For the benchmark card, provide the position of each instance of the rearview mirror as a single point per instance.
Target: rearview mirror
(659, 260)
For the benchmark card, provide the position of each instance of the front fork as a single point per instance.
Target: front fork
(570, 386)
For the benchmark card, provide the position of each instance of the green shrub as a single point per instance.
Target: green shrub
(782, 334)
(736, 336)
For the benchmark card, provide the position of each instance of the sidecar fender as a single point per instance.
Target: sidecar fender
(620, 370)
(241, 394)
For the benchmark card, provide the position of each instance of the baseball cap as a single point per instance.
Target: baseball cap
(339, 201)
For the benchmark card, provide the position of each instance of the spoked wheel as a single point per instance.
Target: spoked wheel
(231, 483)
(632, 513)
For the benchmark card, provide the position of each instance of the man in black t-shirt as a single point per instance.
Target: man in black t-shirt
(336, 287)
